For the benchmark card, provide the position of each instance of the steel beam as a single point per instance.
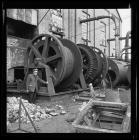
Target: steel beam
(120, 38)
(117, 32)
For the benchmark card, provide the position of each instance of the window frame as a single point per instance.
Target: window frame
(88, 34)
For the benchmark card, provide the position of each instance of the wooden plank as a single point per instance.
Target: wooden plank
(94, 121)
(113, 109)
(62, 93)
(110, 119)
(84, 111)
(72, 91)
(82, 81)
(82, 99)
(92, 102)
(110, 104)
(109, 114)
(87, 129)
(111, 126)
(29, 117)
(16, 91)
(127, 119)
(87, 121)
(86, 99)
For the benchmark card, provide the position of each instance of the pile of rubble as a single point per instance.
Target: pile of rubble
(36, 112)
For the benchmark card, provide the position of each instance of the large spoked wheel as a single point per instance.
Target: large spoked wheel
(58, 54)
(90, 62)
(104, 60)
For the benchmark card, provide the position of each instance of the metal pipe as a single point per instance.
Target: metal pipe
(87, 30)
(120, 38)
(127, 44)
(125, 53)
(94, 18)
(94, 28)
(127, 39)
(129, 74)
(116, 30)
(75, 25)
(105, 30)
(109, 34)
(126, 48)
(68, 23)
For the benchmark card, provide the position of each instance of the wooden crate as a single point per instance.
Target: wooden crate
(108, 117)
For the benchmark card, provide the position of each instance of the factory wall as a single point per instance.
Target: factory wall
(20, 22)
(25, 15)
(68, 22)
(44, 24)
(73, 29)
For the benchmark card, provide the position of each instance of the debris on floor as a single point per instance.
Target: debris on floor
(36, 112)
(83, 106)
(57, 116)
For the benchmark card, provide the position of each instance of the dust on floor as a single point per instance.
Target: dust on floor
(63, 123)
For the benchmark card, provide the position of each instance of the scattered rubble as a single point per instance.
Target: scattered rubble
(36, 112)
(71, 117)
(83, 106)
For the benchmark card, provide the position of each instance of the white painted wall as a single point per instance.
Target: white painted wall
(126, 24)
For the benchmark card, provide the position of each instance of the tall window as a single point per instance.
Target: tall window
(85, 26)
(56, 24)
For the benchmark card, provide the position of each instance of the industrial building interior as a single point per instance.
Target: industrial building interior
(67, 71)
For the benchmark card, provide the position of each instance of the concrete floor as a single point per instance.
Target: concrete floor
(62, 123)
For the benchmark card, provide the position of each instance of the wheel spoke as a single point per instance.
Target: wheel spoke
(46, 47)
(94, 68)
(85, 67)
(36, 52)
(52, 58)
(99, 52)
(83, 56)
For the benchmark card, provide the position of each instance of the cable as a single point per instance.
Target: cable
(43, 17)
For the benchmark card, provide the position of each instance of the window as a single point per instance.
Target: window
(85, 26)
(56, 24)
